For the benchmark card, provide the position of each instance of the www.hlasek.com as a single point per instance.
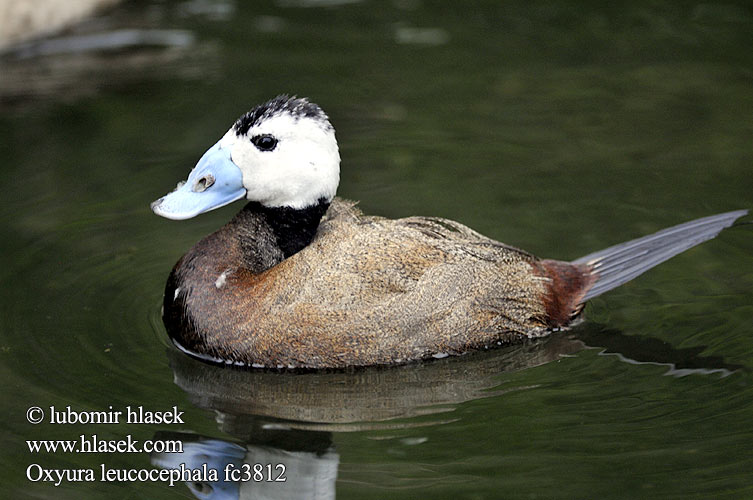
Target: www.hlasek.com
(92, 443)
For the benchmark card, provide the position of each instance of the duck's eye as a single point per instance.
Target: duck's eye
(203, 183)
(264, 142)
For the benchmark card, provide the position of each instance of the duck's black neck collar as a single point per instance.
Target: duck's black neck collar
(292, 228)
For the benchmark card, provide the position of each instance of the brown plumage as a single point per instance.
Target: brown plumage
(299, 279)
(365, 291)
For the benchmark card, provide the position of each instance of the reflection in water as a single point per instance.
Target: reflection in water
(358, 399)
(254, 471)
(290, 470)
(651, 351)
(288, 417)
(197, 451)
(365, 398)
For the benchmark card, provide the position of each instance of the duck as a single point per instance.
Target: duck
(302, 279)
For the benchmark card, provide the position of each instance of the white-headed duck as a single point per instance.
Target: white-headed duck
(301, 279)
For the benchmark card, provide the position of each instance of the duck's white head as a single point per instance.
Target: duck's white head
(282, 153)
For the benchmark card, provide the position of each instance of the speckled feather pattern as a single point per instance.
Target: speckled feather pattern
(296, 107)
(365, 291)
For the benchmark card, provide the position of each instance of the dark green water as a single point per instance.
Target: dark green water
(561, 130)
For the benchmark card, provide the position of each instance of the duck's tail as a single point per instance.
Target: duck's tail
(619, 264)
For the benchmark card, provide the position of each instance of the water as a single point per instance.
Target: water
(560, 131)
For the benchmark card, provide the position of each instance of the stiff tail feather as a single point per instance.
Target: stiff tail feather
(619, 264)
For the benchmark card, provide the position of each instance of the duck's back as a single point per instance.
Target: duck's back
(365, 291)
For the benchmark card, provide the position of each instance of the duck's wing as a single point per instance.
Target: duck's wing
(342, 210)
(375, 291)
